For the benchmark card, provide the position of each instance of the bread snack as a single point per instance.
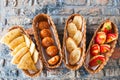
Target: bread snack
(47, 40)
(74, 42)
(23, 50)
(101, 47)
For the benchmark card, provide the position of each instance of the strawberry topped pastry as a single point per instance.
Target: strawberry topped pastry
(107, 27)
(111, 37)
(95, 49)
(100, 38)
(96, 60)
(101, 46)
(104, 48)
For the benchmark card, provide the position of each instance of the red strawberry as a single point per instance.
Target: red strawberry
(107, 27)
(96, 60)
(104, 48)
(95, 49)
(111, 37)
(100, 38)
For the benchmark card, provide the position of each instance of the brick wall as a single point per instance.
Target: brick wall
(21, 12)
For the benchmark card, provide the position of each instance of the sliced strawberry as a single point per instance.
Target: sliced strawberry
(96, 60)
(106, 27)
(111, 37)
(104, 48)
(95, 49)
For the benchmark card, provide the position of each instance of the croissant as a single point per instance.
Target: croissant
(24, 52)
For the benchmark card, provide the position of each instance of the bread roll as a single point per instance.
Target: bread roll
(45, 33)
(47, 41)
(77, 37)
(72, 29)
(54, 60)
(43, 25)
(70, 44)
(78, 22)
(75, 56)
(52, 51)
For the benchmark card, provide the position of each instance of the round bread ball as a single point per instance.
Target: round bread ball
(43, 25)
(54, 60)
(47, 41)
(45, 33)
(52, 51)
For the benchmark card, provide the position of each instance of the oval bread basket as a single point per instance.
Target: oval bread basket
(107, 55)
(37, 19)
(82, 44)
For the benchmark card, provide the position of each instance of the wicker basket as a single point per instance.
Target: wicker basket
(27, 72)
(107, 55)
(82, 44)
(44, 17)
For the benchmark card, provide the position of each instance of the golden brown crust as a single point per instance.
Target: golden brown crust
(54, 60)
(108, 54)
(47, 41)
(40, 18)
(52, 51)
(41, 65)
(82, 45)
(45, 33)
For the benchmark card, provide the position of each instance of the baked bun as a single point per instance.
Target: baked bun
(52, 51)
(75, 56)
(47, 41)
(77, 37)
(70, 44)
(43, 25)
(72, 29)
(78, 22)
(45, 33)
(54, 60)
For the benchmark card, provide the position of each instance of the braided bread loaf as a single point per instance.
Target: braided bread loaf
(74, 42)
(23, 49)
